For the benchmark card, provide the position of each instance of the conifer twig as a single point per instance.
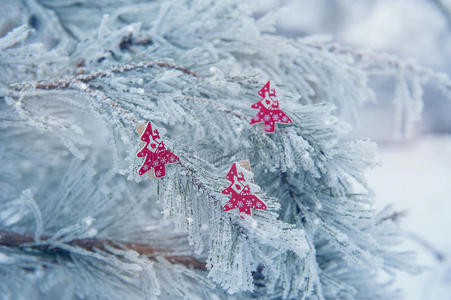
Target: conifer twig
(385, 59)
(26, 241)
(85, 78)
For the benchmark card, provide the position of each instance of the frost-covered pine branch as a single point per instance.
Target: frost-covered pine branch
(409, 78)
(75, 215)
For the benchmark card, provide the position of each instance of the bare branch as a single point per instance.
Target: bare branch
(393, 217)
(119, 69)
(26, 241)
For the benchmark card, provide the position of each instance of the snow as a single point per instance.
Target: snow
(416, 177)
(5, 259)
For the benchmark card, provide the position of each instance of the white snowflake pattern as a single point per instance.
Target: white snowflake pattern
(146, 167)
(275, 117)
(171, 159)
(163, 160)
(240, 204)
(267, 117)
(158, 173)
(259, 204)
(229, 204)
(284, 118)
(155, 163)
(268, 127)
(248, 202)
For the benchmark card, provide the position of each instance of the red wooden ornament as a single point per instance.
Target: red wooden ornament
(155, 153)
(240, 191)
(269, 111)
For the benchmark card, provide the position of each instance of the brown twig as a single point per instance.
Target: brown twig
(119, 69)
(80, 79)
(393, 217)
(27, 241)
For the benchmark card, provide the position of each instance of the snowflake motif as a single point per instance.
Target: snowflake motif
(259, 204)
(240, 204)
(229, 204)
(171, 159)
(158, 173)
(267, 117)
(268, 127)
(284, 118)
(146, 167)
(155, 163)
(256, 118)
(163, 160)
(275, 117)
(248, 203)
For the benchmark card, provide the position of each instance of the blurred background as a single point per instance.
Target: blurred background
(414, 172)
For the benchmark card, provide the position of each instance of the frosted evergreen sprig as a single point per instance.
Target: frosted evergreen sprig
(247, 284)
(292, 134)
(67, 144)
(85, 78)
(203, 205)
(38, 244)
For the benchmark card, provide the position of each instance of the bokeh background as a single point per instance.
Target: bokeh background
(414, 174)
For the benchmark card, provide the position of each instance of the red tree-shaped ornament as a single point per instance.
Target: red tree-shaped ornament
(155, 153)
(240, 191)
(269, 111)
